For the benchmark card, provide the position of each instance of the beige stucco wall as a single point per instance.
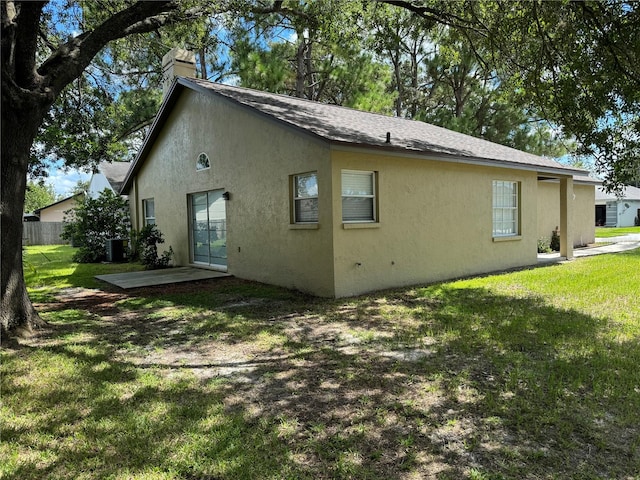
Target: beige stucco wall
(583, 207)
(55, 213)
(252, 159)
(435, 222)
(435, 218)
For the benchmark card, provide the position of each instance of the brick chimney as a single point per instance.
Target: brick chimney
(177, 63)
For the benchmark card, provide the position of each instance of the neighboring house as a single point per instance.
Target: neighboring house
(617, 211)
(55, 211)
(337, 202)
(110, 176)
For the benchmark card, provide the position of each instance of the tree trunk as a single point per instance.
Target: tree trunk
(300, 70)
(17, 315)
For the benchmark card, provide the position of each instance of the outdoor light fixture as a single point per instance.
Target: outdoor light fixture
(226, 195)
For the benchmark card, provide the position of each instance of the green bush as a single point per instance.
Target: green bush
(146, 248)
(555, 240)
(93, 221)
(544, 245)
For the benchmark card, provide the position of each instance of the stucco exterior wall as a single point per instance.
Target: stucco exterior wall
(254, 166)
(55, 213)
(584, 219)
(435, 222)
(434, 217)
(584, 224)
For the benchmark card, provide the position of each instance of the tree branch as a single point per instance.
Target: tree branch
(25, 45)
(71, 58)
(611, 46)
(435, 15)
(278, 8)
(135, 128)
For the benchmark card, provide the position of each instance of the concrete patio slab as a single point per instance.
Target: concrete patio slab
(149, 278)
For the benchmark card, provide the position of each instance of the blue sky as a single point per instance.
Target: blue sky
(63, 182)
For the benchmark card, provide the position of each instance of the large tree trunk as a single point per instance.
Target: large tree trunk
(28, 91)
(17, 315)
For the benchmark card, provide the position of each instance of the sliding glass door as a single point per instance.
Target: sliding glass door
(209, 228)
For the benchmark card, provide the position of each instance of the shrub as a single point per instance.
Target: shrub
(93, 221)
(555, 240)
(544, 245)
(146, 247)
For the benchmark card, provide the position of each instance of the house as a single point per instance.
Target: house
(618, 211)
(549, 208)
(337, 202)
(108, 175)
(56, 211)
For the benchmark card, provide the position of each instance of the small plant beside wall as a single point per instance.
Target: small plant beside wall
(146, 243)
(555, 240)
(544, 245)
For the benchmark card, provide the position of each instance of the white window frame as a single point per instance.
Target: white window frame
(506, 208)
(373, 196)
(148, 219)
(296, 199)
(199, 168)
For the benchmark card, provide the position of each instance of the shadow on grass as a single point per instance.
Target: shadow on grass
(435, 382)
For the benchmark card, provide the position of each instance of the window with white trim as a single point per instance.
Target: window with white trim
(149, 211)
(506, 208)
(203, 162)
(305, 198)
(358, 196)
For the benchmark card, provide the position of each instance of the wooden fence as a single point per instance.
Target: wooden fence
(42, 233)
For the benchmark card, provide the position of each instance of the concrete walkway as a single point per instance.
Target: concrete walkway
(616, 245)
(149, 278)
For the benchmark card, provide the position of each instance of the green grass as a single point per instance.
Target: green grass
(48, 268)
(608, 232)
(524, 375)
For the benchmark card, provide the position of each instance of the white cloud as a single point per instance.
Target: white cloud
(64, 181)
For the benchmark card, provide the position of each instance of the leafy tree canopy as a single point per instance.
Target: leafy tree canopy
(535, 76)
(38, 195)
(95, 220)
(576, 62)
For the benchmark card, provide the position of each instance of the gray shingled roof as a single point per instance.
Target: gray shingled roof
(353, 127)
(115, 172)
(347, 127)
(628, 193)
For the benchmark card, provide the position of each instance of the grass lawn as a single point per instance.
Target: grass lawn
(48, 268)
(524, 375)
(608, 232)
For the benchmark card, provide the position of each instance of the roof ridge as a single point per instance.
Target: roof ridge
(352, 109)
(443, 130)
